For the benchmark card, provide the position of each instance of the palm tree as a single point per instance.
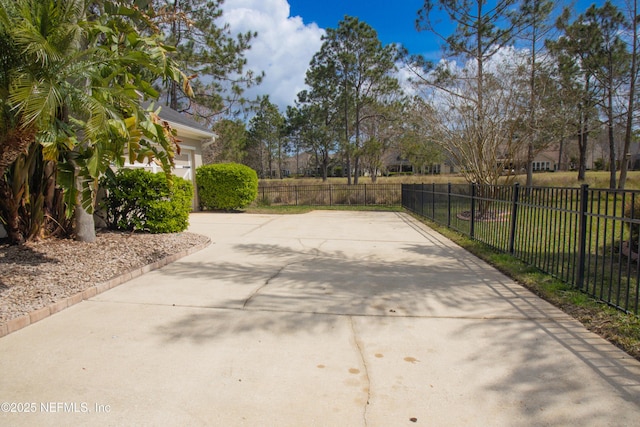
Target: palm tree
(71, 85)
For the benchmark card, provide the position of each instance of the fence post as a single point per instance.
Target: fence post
(296, 189)
(365, 194)
(422, 199)
(582, 237)
(514, 217)
(472, 230)
(433, 201)
(330, 195)
(449, 205)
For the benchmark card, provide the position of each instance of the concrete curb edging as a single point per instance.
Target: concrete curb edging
(25, 320)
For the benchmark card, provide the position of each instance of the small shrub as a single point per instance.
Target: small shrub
(226, 186)
(145, 201)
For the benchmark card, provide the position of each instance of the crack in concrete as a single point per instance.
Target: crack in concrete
(257, 227)
(257, 290)
(318, 250)
(365, 368)
(266, 283)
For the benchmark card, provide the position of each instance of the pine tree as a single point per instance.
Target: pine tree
(356, 70)
(206, 51)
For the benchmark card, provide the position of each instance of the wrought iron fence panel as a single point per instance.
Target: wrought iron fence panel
(589, 238)
(330, 195)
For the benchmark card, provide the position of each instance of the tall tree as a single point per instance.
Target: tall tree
(610, 70)
(230, 144)
(631, 95)
(320, 113)
(556, 113)
(416, 142)
(310, 125)
(207, 51)
(576, 54)
(632, 22)
(534, 22)
(484, 151)
(358, 71)
(480, 31)
(381, 132)
(317, 116)
(267, 140)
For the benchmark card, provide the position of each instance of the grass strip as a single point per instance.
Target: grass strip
(619, 328)
(286, 210)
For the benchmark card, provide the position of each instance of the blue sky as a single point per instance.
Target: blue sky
(290, 33)
(393, 20)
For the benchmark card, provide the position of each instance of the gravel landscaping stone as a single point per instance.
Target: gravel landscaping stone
(42, 273)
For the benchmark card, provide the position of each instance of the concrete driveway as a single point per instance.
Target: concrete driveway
(328, 319)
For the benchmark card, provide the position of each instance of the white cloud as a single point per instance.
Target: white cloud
(283, 49)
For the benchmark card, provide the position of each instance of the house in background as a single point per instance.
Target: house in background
(299, 164)
(546, 161)
(193, 139)
(395, 163)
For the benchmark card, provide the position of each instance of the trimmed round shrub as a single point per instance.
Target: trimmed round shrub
(145, 201)
(226, 186)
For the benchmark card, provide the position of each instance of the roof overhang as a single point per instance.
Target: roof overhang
(190, 132)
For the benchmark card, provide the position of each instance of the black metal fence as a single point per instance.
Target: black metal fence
(580, 235)
(330, 195)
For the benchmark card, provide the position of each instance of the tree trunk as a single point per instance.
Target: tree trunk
(560, 154)
(279, 160)
(630, 102)
(612, 155)
(50, 169)
(172, 93)
(582, 163)
(612, 143)
(480, 114)
(325, 168)
(532, 101)
(346, 133)
(21, 196)
(356, 169)
(9, 211)
(85, 226)
(14, 143)
(530, 158)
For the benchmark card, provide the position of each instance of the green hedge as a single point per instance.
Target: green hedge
(140, 200)
(226, 186)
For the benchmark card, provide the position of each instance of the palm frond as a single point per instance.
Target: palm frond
(34, 100)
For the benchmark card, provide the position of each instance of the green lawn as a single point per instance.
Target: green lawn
(546, 236)
(543, 179)
(620, 328)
